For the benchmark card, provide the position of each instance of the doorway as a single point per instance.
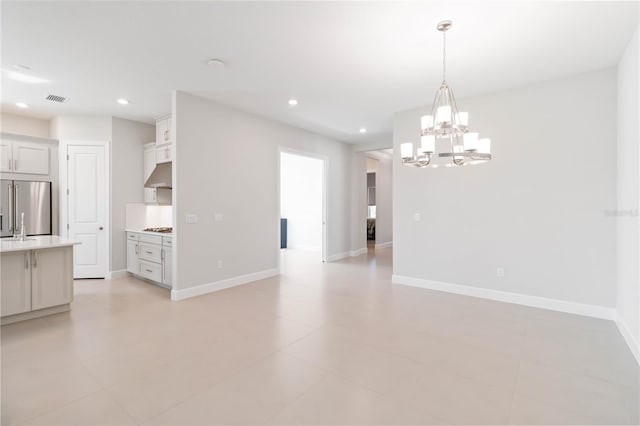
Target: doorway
(85, 211)
(303, 225)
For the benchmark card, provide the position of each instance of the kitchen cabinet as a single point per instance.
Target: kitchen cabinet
(133, 264)
(149, 158)
(167, 261)
(24, 157)
(164, 130)
(147, 257)
(34, 280)
(16, 283)
(164, 154)
(51, 277)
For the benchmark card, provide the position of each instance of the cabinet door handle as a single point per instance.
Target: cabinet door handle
(137, 252)
(162, 254)
(26, 260)
(15, 165)
(35, 259)
(149, 270)
(166, 135)
(148, 252)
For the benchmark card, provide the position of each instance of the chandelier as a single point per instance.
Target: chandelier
(445, 137)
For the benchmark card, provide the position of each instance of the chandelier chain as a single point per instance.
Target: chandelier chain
(444, 56)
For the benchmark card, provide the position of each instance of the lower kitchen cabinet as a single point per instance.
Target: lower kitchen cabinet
(36, 279)
(133, 264)
(16, 283)
(149, 257)
(167, 262)
(51, 277)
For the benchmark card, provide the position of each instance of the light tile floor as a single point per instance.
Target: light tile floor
(321, 344)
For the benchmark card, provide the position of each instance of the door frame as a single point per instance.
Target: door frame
(325, 198)
(63, 151)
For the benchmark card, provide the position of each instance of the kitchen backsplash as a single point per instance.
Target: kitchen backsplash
(139, 216)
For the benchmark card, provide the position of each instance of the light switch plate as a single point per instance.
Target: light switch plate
(417, 217)
(191, 218)
(218, 217)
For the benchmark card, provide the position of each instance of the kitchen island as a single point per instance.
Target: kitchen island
(36, 277)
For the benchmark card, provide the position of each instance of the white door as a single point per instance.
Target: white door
(87, 209)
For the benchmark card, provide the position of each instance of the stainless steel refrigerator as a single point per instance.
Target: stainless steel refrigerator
(31, 197)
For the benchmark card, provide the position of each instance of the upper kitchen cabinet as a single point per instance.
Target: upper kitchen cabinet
(163, 130)
(164, 154)
(24, 157)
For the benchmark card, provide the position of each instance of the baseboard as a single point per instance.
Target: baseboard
(305, 248)
(114, 275)
(383, 245)
(345, 254)
(634, 347)
(222, 284)
(503, 296)
(358, 252)
(338, 256)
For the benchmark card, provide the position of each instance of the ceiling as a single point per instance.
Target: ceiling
(350, 64)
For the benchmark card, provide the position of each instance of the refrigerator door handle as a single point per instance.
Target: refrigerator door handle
(10, 203)
(15, 207)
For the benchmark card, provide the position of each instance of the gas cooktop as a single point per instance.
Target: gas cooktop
(161, 230)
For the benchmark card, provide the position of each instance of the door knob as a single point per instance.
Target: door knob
(101, 228)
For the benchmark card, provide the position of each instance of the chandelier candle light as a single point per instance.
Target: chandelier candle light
(445, 137)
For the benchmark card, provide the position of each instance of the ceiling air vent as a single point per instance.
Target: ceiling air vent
(56, 98)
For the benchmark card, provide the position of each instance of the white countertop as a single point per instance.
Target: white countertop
(35, 243)
(137, 231)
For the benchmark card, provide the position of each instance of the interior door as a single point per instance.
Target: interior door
(87, 209)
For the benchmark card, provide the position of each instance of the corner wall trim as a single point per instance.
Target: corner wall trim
(384, 245)
(595, 311)
(222, 284)
(114, 275)
(628, 337)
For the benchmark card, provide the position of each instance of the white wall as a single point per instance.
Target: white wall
(537, 209)
(22, 125)
(628, 275)
(82, 128)
(301, 200)
(128, 138)
(384, 202)
(226, 161)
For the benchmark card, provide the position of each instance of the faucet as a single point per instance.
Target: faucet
(23, 233)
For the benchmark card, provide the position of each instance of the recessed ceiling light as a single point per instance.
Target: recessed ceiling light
(22, 105)
(363, 130)
(215, 62)
(293, 102)
(23, 78)
(123, 101)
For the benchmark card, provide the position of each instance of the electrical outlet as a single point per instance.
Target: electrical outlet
(217, 217)
(219, 265)
(417, 217)
(191, 218)
(500, 272)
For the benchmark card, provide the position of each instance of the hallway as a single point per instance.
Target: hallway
(332, 343)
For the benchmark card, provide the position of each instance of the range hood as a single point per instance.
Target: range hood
(160, 177)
